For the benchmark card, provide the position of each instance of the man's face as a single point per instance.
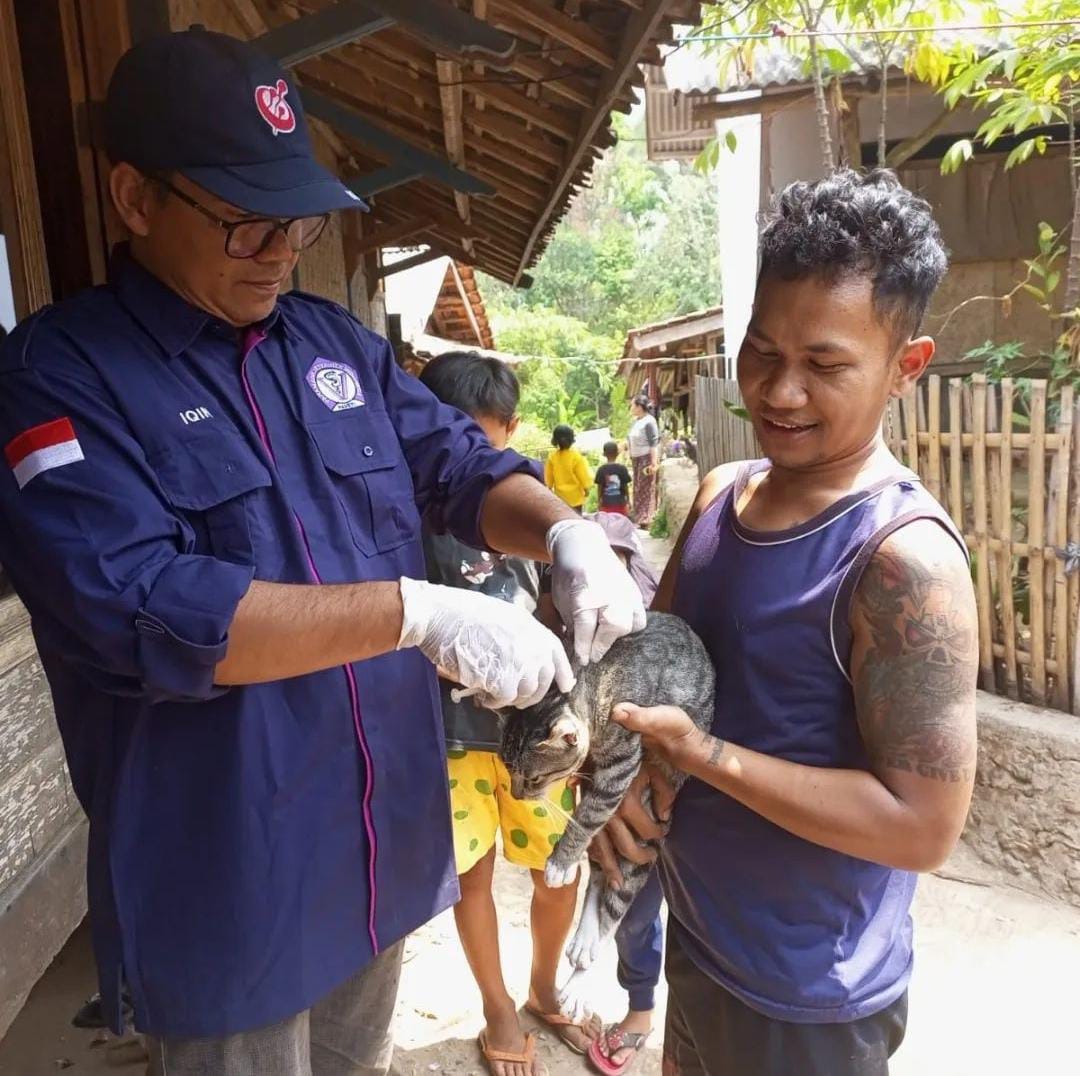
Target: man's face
(187, 251)
(818, 366)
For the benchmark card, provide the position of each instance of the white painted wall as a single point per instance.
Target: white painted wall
(738, 192)
(793, 151)
(7, 300)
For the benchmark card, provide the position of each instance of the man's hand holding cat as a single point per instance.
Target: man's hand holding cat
(594, 594)
(633, 824)
(494, 649)
(670, 734)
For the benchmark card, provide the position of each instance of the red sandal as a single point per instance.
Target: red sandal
(615, 1039)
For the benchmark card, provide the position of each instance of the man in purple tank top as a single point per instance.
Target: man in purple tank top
(836, 601)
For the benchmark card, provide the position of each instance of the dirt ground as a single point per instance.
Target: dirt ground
(993, 994)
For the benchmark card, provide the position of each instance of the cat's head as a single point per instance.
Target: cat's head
(542, 744)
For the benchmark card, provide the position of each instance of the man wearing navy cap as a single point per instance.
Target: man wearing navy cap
(211, 510)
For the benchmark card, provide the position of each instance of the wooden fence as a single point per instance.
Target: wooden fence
(722, 437)
(1003, 459)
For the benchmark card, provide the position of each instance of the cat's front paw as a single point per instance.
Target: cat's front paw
(557, 875)
(574, 997)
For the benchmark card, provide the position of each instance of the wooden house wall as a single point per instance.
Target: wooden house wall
(42, 829)
(42, 826)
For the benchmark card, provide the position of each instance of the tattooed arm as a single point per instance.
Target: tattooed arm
(914, 663)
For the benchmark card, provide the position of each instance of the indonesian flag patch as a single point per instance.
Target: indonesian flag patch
(52, 444)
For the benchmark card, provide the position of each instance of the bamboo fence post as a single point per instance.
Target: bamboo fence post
(892, 427)
(1074, 578)
(1005, 535)
(920, 425)
(933, 457)
(982, 539)
(956, 456)
(993, 481)
(1059, 541)
(1037, 541)
(911, 431)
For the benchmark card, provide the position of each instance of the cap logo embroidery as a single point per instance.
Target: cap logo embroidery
(335, 384)
(278, 113)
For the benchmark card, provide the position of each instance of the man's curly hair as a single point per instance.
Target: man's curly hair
(854, 224)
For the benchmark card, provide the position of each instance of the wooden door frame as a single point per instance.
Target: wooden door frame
(20, 208)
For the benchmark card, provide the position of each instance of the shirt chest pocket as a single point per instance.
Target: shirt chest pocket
(360, 451)
(213, 478)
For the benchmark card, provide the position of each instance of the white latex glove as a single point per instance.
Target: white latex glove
(592, 591)
(494, 649)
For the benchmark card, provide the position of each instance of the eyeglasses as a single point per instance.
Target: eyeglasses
(248, 238)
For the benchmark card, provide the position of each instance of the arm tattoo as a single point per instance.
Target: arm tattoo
(915, 676)
(717, 747)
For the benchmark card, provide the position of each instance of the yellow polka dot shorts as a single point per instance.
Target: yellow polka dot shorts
(481, 805)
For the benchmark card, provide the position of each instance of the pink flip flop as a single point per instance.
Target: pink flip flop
(615, 1039)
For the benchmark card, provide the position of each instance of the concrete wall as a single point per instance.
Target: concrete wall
(1025, 815)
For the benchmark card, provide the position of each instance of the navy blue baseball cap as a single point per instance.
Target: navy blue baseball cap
(225, 115)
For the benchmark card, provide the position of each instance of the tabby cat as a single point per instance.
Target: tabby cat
(666, 664)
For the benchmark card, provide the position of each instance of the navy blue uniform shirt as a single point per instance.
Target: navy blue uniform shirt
(252, 847)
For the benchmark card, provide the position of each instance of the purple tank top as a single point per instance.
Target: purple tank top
(797, 931)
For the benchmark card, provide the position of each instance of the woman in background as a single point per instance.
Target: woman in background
(566, 473)
(644, 443)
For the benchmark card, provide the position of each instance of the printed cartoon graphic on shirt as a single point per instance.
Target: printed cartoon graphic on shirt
(612, 489)
(476, 572)
(336, 384)
(272, 106)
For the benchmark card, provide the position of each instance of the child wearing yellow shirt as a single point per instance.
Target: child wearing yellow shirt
(566, 473)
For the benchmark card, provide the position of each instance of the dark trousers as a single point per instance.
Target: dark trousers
(710, 1032)
(640, 941)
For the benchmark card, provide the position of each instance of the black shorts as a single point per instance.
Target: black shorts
(710, 1032)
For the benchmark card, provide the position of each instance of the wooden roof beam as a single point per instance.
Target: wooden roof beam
(640, 29)
(329, 28)
(381, 180)
(452, 99)
(389, 235)
(421, 258)
(558, 122)
(402, 153)
(574, 33)
(514, 135)
(450, 29)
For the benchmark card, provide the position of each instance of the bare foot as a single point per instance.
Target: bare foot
(576, 1036)
(635, 1022)
(503, 1032)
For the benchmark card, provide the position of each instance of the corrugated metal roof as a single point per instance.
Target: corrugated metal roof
(688, 69)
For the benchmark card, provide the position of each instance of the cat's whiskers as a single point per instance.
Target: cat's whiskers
(565, 815)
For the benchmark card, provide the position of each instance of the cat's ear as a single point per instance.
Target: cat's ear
(566, 730)
(501, 713)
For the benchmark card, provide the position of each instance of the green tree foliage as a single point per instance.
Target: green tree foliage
(886, 37)
(1032, 81)
(638, 245)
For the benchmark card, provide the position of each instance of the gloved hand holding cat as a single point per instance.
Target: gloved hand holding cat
(595, 596)
(494, 649)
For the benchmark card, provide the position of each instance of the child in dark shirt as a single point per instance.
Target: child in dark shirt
(613, 482)
(481, 805)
